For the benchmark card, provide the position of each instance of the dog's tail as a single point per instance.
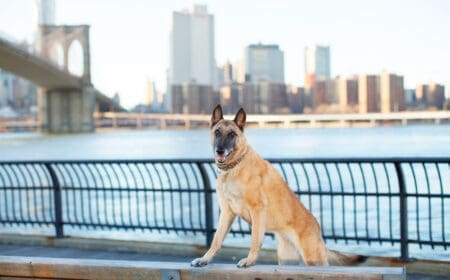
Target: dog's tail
(337, 258)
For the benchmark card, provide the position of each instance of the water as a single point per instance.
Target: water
(396, 141)
(405, 141)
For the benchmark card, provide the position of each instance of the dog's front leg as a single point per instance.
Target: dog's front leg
(226, 218)
(258, 217)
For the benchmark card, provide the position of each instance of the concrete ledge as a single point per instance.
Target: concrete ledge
(57, 268)
(267, 256)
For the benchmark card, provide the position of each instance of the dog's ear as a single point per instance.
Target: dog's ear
(239, 119)
(217, 115)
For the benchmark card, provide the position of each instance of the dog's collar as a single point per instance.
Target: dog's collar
(227, 167)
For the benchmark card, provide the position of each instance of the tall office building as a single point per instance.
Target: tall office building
(264, 63)
(410, 98)
(347, 91)
(228, 73)
(325, 95)
(392, 97)
(296, 99)
(191, 98)
(192, 55)
(317, 64)
(192, 52)
(152, 96)
(431, 96)
(369, 93)
(239, 71)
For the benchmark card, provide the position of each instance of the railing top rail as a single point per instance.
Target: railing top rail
(209, 160)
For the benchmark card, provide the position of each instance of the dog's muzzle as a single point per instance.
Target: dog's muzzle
(222, 154)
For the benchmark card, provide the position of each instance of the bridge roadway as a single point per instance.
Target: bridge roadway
(35, 68)
(66, 102)
(111, 119)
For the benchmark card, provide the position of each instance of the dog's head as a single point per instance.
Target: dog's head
(227, 136)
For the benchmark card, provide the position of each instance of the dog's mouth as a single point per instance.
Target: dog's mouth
(222, 156)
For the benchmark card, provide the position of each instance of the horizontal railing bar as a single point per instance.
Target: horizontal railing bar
(339, 193)
(25, 188)
(331, 193)
(431, 243)
(132, 189)
(99, 225)
(334, 237)
(273, 160)
(367, 239)
(26, 222)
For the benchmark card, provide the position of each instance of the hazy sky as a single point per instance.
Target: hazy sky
(130, 39)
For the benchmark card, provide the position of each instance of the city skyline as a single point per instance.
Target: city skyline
(364, 38)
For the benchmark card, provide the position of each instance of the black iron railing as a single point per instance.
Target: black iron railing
(396, 201)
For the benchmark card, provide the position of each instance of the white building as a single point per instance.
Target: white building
(317, 64)
(264, 63)
(192, 50)
(192, 56)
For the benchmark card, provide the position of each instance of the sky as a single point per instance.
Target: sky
(130, 38)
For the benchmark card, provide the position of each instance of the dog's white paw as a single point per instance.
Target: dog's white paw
(245, 262)
(199, 262)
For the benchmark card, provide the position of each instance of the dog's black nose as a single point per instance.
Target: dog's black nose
(220, 151)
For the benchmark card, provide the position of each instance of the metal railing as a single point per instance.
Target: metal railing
(396, 201)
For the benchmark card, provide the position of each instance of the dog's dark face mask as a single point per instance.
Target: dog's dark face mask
(224, 143)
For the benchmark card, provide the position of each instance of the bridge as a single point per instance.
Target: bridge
(137, 120)
(66, 101)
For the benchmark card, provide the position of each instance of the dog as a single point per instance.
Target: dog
(251, 188)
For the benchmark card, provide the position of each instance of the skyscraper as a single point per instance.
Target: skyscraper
(391, 93)
(317, 64)
(152, 98)
(347, 91)
(264, 63)
(228, 73)
(192, 55)
(431, 96)
(192, 46)
(369, 93)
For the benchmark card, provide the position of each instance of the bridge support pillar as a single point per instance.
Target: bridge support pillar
(67, 110)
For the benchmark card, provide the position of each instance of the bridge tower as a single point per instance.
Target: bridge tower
(67, 109)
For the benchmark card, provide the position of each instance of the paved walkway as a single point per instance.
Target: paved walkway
(53, 252)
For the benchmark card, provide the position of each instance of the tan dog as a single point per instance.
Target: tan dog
(251, 188)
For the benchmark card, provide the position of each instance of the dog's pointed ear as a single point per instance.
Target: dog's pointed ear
(217, 115)
(240, 118)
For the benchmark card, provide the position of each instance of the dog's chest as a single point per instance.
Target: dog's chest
(232, 194)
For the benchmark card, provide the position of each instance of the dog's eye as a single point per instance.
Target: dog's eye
(217, 132)
(232, 134)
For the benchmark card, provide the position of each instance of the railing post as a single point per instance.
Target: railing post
(57, 201)
(404, 256)
(208, 204)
